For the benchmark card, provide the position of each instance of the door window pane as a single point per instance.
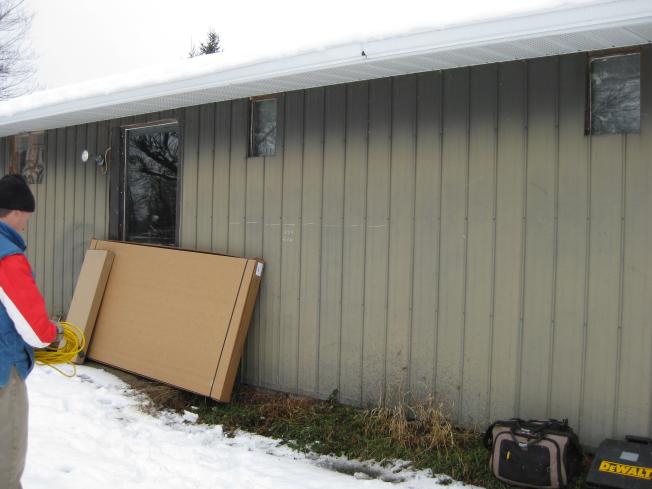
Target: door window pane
(151, 185)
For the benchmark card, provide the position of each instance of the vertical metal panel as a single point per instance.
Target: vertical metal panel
(479, 289)
(401, 234)
(190, 145)
(139, 119)
(29, 234)
(206, 131)
(50, 219)
(101, 204)
(423, 345)
(68, 188)
(355, 188)
(90, 190)
(221, 177)
(540, 237)
(39, 219)
(510, 205)
(153, 117)
(254, 248)
(238, 177)
(115, 173)
(571, 242)
(634, 396)
(330, 313)
(291, 241)
(79, 217)
(59, 204)
(311, 226)
(377, 241)
(604, 285)
(453, 237)
(270, 294)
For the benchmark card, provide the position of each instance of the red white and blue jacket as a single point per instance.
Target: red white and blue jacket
(24, 322)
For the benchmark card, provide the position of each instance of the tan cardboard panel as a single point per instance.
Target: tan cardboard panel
(89, 291)
(166, 313)
(237, 333)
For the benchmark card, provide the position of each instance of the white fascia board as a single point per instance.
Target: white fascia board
(611, 14)
(604, 15)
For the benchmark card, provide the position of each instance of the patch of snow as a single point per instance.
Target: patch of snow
(90, 431)
(190, 417)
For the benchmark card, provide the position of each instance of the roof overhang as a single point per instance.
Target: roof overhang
(598, 26)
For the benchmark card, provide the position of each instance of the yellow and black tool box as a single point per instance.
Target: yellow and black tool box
(622, 464)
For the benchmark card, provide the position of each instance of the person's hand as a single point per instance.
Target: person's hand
(57, 340)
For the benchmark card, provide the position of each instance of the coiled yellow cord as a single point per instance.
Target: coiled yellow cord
(73, 342)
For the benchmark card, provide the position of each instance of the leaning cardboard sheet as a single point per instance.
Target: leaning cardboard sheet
(176, 316)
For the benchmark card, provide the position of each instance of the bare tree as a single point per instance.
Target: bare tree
(15, 69)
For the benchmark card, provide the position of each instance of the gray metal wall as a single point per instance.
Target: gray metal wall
(452, 233)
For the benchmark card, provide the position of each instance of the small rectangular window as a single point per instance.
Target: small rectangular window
(262, 139)
(615, 94)
(28, 156)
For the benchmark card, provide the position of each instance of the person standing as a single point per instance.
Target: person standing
(24, 325)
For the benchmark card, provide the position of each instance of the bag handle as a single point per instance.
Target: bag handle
(516, 425)
(532, 436)
(487, 439)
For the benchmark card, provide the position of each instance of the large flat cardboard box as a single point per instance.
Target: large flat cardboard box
(89, 291)
(176, 316)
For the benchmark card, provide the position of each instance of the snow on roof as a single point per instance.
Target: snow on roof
(573, 27)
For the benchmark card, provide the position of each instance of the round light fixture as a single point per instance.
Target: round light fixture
(84, 156)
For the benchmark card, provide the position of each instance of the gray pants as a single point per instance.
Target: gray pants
(13, 431)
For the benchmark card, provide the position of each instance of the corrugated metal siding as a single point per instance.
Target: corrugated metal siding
(451, 233)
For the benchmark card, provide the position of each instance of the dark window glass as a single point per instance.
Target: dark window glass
(263, 128)
(28, 156)
(616, 94)
(151, 177)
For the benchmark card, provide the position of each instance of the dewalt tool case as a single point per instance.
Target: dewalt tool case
(542, 454)
(622, 464)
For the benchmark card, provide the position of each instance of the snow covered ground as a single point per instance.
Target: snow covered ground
(89, 431)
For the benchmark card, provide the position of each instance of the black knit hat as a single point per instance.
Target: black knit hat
(15, 194)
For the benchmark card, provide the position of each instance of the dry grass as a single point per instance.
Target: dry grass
(158, 397)
(415, 425)
(161, 396)
(273, 404)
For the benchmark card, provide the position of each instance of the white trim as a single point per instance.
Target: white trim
(22, 326)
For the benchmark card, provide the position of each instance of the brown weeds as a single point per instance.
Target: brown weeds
(417, 425)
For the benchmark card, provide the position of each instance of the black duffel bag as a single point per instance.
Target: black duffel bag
(535, 453)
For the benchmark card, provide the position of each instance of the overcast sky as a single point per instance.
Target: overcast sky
(77, 40)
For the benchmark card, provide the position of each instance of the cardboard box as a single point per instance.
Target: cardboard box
(89, 290)
(177, 316)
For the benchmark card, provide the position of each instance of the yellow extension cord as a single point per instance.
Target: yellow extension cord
(72, 343)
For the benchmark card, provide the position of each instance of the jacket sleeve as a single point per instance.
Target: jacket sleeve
(24, 303)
